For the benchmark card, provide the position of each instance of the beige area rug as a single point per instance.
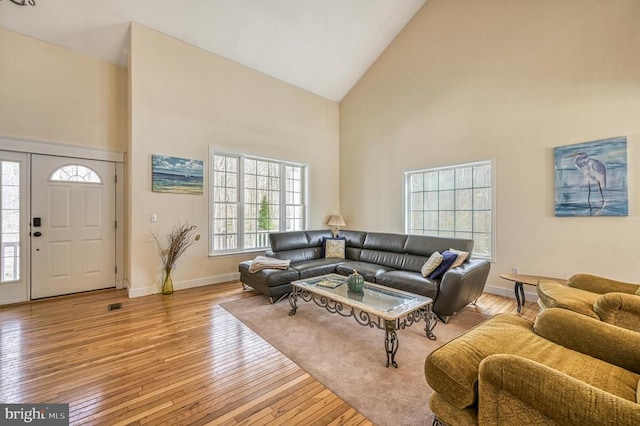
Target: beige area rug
(350, 359)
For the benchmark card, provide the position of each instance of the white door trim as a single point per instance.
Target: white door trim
(19, 291)
(30, 146)
(54, 148)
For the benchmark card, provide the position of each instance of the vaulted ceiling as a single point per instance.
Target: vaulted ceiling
(323, 46)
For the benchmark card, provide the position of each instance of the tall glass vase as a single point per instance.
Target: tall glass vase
(167, 284)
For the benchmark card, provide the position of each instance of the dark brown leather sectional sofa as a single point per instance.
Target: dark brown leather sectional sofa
(392, 260)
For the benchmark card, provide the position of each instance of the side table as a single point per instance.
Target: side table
(520, 279)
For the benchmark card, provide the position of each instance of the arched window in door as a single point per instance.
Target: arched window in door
(75, 173)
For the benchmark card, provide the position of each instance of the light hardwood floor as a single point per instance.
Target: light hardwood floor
(179, 359)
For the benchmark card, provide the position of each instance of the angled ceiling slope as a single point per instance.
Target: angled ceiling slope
(323, 46)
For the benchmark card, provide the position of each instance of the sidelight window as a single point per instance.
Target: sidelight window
(10, 221)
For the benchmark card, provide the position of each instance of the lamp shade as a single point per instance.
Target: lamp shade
(336, 220)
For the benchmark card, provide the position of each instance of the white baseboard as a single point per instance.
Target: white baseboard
(508, 292)
(13, 301)
(182, 285)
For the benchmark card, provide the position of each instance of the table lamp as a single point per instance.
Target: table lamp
(335, 222)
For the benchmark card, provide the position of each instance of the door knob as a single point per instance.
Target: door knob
(37, 234)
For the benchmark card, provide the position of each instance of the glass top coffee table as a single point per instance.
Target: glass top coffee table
(377, 306)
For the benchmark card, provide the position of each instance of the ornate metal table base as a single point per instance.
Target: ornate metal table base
(370, 320)
(519, 290)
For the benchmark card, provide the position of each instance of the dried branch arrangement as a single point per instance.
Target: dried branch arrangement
(180, 239)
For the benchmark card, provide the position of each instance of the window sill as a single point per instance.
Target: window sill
(238, 252)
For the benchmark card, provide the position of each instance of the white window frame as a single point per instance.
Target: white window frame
(12, 252)
(240, 200)
(408, 209)
(75, 173)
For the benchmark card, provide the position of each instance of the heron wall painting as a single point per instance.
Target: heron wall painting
(591, 178)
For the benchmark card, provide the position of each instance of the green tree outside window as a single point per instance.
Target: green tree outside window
(264, 222)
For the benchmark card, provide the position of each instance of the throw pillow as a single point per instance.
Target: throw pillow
(324, 243)
(447, 260)
(431, 264)
(334, 247)
(462, 256)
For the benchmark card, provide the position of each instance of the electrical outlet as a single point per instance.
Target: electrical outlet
(153, 217)
(515, 270)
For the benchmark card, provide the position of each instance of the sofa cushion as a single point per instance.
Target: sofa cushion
(452, 370)
(384, 258)
(431, 264)
(413, 263)
(448, 258)
(354, 238)
(316, 238)
(299, 255)
(423, 245)
(369, 271)
(352, 253)
(281, 241)
(413, 282)
(269, 277)
(316, 267)
(385, 242)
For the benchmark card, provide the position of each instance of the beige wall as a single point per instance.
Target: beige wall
(55, 95)
(184, 100)
(62, 101)
(466, 80)
(181, 100)
(469, 80)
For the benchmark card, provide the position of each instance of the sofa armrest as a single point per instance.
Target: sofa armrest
(612, 344)
(552, 294)
(601, 285)
(619, 309)
(461, 285)
(516, 390)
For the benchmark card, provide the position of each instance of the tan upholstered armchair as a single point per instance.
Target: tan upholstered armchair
(614, 302)
(510, 371)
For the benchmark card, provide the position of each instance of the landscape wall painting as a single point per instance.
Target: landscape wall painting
(176, 175)
(591, 178)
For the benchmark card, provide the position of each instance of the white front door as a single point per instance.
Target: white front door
(72, 225)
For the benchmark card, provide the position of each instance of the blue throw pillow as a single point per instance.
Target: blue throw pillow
(324, 243)
(447, 260)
